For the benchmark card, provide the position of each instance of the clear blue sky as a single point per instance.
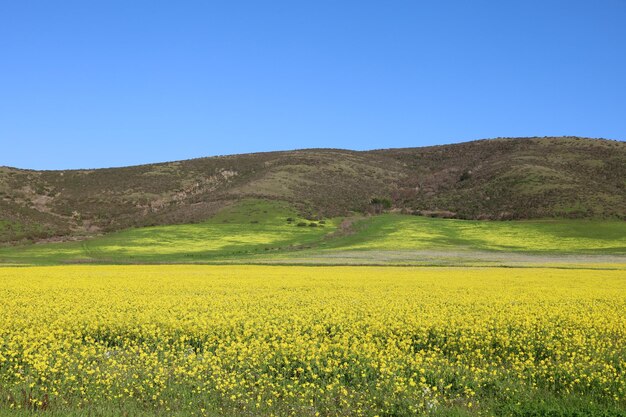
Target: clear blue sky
(111, 83)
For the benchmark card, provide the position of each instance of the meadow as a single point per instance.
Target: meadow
(311, 341)
(250, 228)
(259, 231)
(398, 232)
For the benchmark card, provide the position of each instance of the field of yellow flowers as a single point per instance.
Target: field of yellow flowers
(311, 341)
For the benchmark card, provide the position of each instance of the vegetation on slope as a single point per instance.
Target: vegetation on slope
(401, 232)
(248, 228)
(256, 230)
(516, 178)
(489, 179)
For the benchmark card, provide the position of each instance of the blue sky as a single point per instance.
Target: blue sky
(89, 84)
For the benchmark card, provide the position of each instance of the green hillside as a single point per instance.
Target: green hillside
(263, 231)
(401, 232)
(247, 228)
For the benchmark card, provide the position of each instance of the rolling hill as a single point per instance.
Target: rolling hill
(497, 179)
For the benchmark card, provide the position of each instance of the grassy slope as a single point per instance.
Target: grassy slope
(248, 228)
(258, 230)
(400, 232)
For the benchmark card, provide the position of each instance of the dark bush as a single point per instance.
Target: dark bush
(383, 202)
(466, 175)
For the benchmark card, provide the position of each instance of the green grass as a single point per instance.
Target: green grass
(249, 228)
(258, 230)
(399, 232)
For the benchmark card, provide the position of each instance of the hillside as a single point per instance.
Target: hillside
(519, 178)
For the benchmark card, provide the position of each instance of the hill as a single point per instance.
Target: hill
(510, 178)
